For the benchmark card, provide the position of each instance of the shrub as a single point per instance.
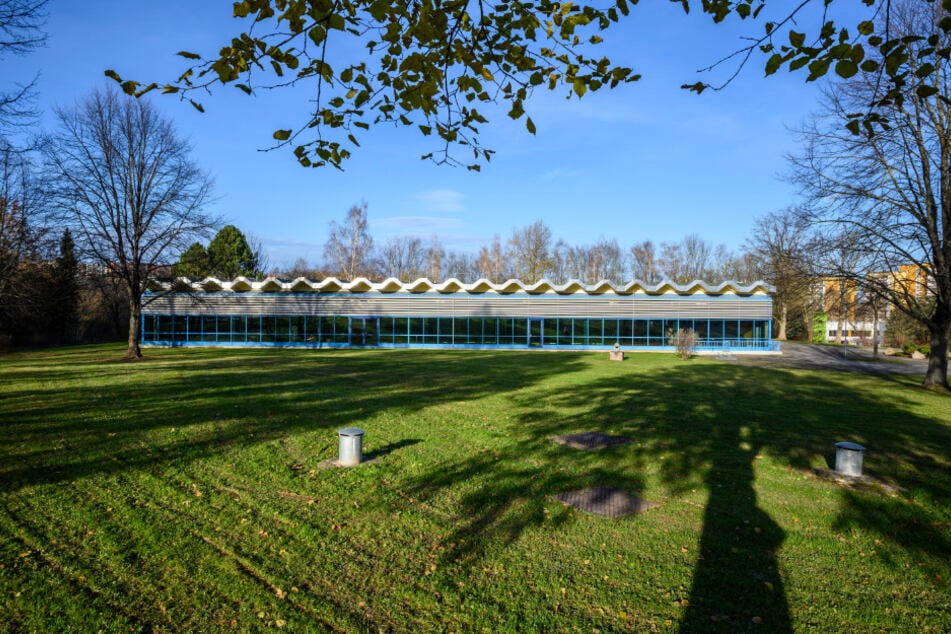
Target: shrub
(925, 350)
(684, 340)
(908, 348)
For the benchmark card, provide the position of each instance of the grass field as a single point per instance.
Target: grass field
(185, 493)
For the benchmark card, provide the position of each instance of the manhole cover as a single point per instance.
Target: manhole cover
(605, 501)
(590, 440)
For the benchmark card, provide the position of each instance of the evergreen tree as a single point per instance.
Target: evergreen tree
(230, 255)
(193, 263)
(64, 296)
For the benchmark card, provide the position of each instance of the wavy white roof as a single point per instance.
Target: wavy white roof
(422, 285)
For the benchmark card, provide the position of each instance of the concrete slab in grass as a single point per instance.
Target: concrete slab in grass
(605, 501)
(590, 440)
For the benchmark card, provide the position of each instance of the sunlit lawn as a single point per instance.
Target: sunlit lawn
(185, 493)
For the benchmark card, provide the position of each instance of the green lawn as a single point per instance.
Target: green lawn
(185, 493)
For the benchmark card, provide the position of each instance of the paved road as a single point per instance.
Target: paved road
(852, 359)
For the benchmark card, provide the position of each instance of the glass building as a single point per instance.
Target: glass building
(422, 314)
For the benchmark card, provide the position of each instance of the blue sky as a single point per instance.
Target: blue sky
(647, 161)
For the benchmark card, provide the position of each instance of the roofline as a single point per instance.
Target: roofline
(452, 285)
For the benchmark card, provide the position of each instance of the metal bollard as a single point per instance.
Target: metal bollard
(351, 446)
(848, 458)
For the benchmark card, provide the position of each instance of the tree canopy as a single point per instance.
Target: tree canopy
(436, 65)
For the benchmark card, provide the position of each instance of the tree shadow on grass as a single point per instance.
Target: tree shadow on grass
(187, 405)
(706, 424)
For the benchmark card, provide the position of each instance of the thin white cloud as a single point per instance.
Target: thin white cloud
(441, 200)
(422, 226)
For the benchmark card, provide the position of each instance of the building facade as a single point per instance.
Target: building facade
(483, 315)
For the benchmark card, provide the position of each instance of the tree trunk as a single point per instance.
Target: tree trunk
(135, 322)
(937, 374)
(875, 331)
(782, 322)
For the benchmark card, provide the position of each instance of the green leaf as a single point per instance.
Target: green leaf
(196, 105)
(530, 125)
(580, 87)
(773, 63)
(113, 74)
(924, 70)
(797, 39)
(924, 91)
(853, 126)
(866, 28)
(188, 55)
(282, 135)
(846, 68)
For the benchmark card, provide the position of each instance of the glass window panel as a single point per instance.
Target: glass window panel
(298, 326)
(702, 328)
(610, 331)
(730, 328)
(166, 326)
(519, 331)
(716, 328)
(506, 328)
(551, 331)
(626, 328)
(490, 332)
(640, 327)
(580, 328)
(445, 331)
(341, 330)
(239, 326)
(268, 328)
(254, 328)
(460, 330)
(223, 327)
(193, 327)
(371, 326)
(596, 332)
(746, 329)
(655, 332)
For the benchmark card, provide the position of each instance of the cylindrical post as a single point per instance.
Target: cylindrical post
(848, 458)
(351, 446)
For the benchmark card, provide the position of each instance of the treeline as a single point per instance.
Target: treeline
(530, 253)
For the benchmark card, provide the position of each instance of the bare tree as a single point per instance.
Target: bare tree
(348, 248)
(491, 261)
(21, 32)
(23, 238)
(530, 252)
(435, 254)
(644, 262)
(123, 180)
(605, 262)
(402, 258)
(461, 266)
(672, 263)
(886, 197)
(780, 243)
